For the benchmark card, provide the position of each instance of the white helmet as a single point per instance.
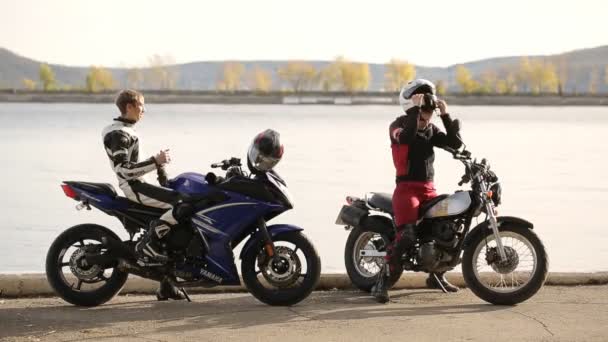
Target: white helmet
(419, 86)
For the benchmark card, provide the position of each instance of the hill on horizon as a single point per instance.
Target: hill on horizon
(581, 67)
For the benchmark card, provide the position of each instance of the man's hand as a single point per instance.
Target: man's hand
(163, 157)
(417, 99)
(443, 107)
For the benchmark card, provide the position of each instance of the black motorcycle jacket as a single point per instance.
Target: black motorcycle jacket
(121, 143)
(412, 149)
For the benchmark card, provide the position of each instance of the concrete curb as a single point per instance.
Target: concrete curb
(31, 285)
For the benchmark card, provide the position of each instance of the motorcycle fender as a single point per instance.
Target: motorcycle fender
(273, 230)
(377, 224)
(484, 227)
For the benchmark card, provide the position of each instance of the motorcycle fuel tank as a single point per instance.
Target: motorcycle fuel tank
(190, 183)
(453, 205)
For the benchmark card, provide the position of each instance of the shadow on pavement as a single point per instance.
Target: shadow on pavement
(234, 312)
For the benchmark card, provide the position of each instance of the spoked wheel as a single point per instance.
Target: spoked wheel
(72, 278)
(510, 281)
(286, 279)
(362, 264)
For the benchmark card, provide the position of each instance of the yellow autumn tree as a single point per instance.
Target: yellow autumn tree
(99, 79)
(28, 84)
(260, 80)
(329, 77)
(231, 75)
(488, 83)
(354, 76)
(524, 73)
(440, 87)
(299, 75)
(47, 77)
(537, 76)
(464, 79)
(506, 85)
(544, 77)
(161, 73)
(397, 74)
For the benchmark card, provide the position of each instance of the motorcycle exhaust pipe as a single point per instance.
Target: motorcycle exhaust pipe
(118, 249)
(128, 267)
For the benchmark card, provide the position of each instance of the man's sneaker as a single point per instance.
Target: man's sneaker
(432, 282)
(167, 291)
(379, 290)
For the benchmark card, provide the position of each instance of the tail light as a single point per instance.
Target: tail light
(68, 191)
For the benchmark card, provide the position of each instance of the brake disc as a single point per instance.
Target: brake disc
(80, 269)
(500, 266)
(284, 269)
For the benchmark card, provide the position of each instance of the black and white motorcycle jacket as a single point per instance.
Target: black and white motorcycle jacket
(121, 143)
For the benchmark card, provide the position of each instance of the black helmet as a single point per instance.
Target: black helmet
(419, 86)
(265, 151)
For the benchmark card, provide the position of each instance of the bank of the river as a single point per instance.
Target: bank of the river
(338, 98)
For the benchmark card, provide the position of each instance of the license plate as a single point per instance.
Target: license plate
(339, 220)
(350, 216)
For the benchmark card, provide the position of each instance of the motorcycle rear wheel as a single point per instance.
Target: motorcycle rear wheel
(68, 250)
(363, 271)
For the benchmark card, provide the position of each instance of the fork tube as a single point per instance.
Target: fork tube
(493, 222)
(268, 244)
(494, 226)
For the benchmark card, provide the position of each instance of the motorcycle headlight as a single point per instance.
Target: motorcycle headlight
(496, 193)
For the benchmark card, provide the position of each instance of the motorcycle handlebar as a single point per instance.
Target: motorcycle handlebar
(225, 164)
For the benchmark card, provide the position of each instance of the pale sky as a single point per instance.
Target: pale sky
(430, 33)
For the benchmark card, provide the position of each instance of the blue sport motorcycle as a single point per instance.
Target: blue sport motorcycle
(88, 264)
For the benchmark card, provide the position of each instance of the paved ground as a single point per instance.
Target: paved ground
(555, 314)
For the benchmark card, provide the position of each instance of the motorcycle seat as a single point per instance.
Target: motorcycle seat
(381, 201)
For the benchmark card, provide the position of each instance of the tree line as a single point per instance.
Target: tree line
(530, 75)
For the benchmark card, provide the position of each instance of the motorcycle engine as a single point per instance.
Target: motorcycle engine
(437, 237)
(443, 232)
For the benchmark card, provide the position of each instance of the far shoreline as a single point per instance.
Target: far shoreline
(303, 98)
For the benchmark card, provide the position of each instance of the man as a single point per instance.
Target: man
(121, 143)
(413, 137)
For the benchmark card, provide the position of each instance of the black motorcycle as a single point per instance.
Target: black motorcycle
(503, 260)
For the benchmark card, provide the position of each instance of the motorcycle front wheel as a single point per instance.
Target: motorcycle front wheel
(510, 281)
(286, 279)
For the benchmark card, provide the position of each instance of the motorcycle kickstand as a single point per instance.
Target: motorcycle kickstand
(185, 294)
(440, 284)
